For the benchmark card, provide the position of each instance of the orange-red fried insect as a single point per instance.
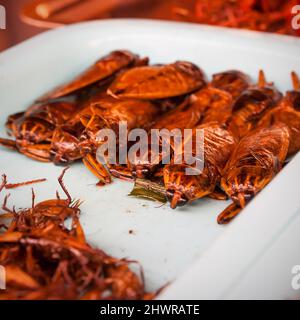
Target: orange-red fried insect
(216, 105)
(33, 130)
(217, 147)
(66, 138)
(231, 81)
(44, 259)
(158, 82)
(102, 69)
(252, 105)
(255, 161)
(287, 112)
(52, 113)
(135, 113)
(41, 213)
(216, 100)
(213, 103)
(185, 116)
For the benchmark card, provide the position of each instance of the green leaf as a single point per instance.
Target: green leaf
(150, 190)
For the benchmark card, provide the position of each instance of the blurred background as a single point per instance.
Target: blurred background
(26, 18)
(16, 30)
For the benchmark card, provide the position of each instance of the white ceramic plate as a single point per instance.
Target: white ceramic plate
(250, 258)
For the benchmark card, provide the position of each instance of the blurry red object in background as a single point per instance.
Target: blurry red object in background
(38, 15)
(16, 30)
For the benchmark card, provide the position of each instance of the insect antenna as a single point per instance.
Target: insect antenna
(295, 81)
(261, 79)
(32, 198)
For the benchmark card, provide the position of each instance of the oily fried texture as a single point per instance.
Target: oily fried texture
(215, 105)
(185, 116)
(288, 113)
(255, 161)
(34, 129)
(232, 81)
(102, 69)
(216, 148)
(252, 105)
(158, 82)
(44, 259)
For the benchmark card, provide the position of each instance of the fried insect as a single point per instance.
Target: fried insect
(217, 146)
(287, 112)
(215, 105)
(232, 81)
(33, 130)
(43, 259)
(135, 113)
(255, 161)
(186, 116)
(209, 104)
(158, 82)
(252, 105)
(101, 70)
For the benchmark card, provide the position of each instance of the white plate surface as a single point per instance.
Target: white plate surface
(252, 254)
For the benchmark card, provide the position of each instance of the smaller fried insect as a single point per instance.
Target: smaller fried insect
(45, 260)
(255, 161)
(252, 105)
(217, 147)
(158, 82)
(287, 112)
(102, 69)
(57, 210)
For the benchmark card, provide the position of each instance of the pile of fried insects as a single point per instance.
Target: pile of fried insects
(250, 129)
(44, 259)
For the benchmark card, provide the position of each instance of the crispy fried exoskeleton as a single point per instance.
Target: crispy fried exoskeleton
(136, 113)
(252, 105)
(216, 104)
(33, 129)
(77, 139)
(255, 161)
(43, 259)
(232, 81)
(209, 104)
(66, 138)
(101, 70)
(287, 112)
(158, 82)
(181, 188)
(186, 116)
